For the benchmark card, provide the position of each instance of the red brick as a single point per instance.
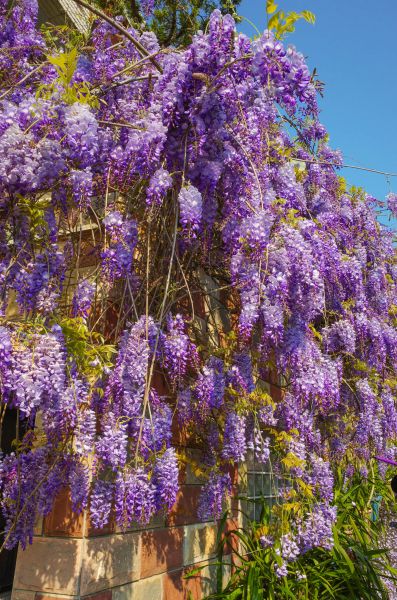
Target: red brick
(185, 508)
(181, 436)
(162, 550)
(234, 507)
(199, 304)
(232, 541)
(176, 587)
(276, 392)
(62, 520)
(106, 595)
(39, 596)
(110, 318)
(182, 473)
(159, 383)
(233, 472)
(272, 375)
(233, 306)
(89, 256)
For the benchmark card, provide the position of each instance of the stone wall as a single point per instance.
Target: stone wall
(69, 559)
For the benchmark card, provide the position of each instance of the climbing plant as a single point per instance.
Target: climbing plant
(174, 234)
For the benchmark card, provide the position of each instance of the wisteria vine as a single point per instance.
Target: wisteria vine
(173, 235)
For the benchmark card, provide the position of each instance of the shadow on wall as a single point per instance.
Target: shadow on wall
(49, 565)
(162, 550)
(109, 561)
(64, 562)
(78, 566)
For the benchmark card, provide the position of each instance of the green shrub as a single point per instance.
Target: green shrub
(356, 567)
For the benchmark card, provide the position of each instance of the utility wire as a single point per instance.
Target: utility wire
(338, 166)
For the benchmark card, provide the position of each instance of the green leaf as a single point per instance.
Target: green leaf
(271, 7)
(65, 63)
(308, 16)
(291, 461)
(339, 548)
(234, 595)
(194, 572)
(273, 22)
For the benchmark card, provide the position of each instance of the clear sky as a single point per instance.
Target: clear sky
(353, 45)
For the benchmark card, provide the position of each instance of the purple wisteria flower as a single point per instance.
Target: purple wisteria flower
(147, 7)
(184, 182)
(101, 503)
(111, 446)
(234, 442)
(210, 386)
(178, 349)
(83, 298)
(213, 496)
(190, 207)
(113, 223)
(81, 183)
(117, 259)
(392, 203)
(134, 498)
(165, 479)
(159, 184)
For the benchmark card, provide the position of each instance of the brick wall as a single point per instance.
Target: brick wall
(69, 559)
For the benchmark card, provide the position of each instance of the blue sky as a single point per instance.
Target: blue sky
(353, 45)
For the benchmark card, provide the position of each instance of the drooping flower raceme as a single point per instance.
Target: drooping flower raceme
(190, 206)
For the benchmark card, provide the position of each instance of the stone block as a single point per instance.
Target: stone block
(162, 550)
(38, 526)
(200, 326)
(209, 575)
(185, 508)
(177, 587)
(209, 579)
(191, 478)
(22, 595)
(109, 561)
(106, 595)
(150, 588)
(243, 479)
(62, 521)
(49, 565)
(48, 597)
(199, 543)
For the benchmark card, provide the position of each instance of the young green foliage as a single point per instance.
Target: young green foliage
(283, 23)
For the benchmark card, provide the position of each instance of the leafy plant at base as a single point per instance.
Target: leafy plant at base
(355, 568)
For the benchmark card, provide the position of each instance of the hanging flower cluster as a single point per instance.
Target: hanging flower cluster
(167, 181)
